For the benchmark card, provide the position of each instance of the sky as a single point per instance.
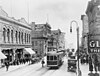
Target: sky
(58, 13)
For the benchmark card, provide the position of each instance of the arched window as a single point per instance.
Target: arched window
(22, 37)
(4, 35)
(16, 37)
(25, 37)
(12, 36)
(29, 38)
(8, 35)
(19, 37)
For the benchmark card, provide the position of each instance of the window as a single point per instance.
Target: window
(12, 36)
(32, 43)
(19, 37)
(25, 37)
(8, 35)
(51, 57)
(47, 57)
(29, 38)
(4, 34)
(16, 36)
(55, 57)
(22, 37)
(35, 43)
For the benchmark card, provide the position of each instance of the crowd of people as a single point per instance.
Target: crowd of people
(21, 61)
(92, 61)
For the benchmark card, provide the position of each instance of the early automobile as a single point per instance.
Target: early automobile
(72, 65)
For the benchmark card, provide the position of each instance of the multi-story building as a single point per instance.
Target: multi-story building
(62, 41)
(85, 30)
(15, 36)
(56, 41)
(40, 33)
(93, 13)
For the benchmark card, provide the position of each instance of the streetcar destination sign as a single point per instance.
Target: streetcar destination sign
(94, 46)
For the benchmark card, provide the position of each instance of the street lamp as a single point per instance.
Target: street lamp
(78, 68)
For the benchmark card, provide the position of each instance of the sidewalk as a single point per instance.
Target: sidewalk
(85, 69)
(12, 68)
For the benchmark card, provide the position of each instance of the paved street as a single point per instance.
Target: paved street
(37, 70)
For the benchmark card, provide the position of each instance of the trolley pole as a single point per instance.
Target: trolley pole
(78, 68)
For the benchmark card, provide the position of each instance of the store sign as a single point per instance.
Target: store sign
(94, 46)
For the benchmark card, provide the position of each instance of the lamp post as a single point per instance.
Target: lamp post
(78, 68)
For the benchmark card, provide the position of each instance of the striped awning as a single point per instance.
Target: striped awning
(29, 50)
(2, 56)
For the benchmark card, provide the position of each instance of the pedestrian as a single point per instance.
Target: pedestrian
(7, 65)
(90, 67)
(87, 59)
(42, 62)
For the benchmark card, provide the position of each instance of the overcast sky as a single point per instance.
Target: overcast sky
(58, 13)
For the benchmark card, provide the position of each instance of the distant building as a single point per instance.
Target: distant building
(40, 33)
(62, 41)
(57, 40)
(15, 35)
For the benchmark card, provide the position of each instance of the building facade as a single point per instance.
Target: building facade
(85, 31)
(93, 13)
(15, 35)
(40, 33)
(57, 40)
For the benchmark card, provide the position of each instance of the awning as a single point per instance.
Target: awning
(2, 56)
(29, 50)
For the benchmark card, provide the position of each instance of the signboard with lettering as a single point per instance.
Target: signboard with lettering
(94, 46)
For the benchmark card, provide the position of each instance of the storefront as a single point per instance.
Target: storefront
(2, 57)
(28, 53)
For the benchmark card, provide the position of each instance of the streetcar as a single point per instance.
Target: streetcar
(55, 59)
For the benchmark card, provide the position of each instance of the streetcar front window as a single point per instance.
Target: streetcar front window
(47, 57)
(51, 57)
(55, 57)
